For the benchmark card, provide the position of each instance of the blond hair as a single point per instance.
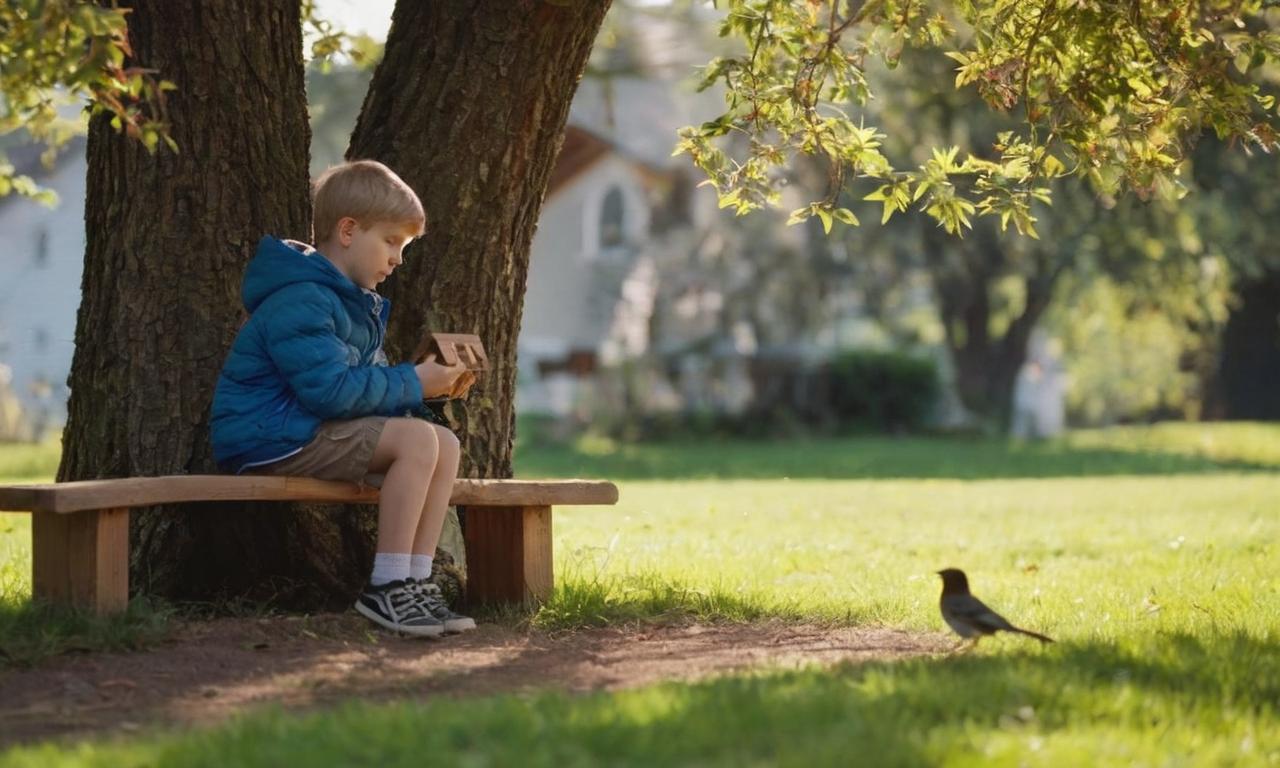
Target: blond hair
(367, 191)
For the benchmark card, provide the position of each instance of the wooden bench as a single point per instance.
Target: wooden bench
(80, 530)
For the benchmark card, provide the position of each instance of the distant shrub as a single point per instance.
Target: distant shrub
(879, 391)
(858, 390)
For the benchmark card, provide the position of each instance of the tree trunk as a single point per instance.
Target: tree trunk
(469, 106)
(167, 239)
(1248, 377)
(986, 366)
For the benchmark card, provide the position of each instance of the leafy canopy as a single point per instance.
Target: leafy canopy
(1114, 90)
(54, 54)
(58, 54)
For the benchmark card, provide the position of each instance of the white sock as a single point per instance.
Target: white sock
(388, 566)
(420, 567)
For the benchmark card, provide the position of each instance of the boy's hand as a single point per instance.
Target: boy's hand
(442, 380)
(463, 385)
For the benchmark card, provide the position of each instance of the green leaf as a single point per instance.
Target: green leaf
(825, 215)
(889, 209)
(880, 194)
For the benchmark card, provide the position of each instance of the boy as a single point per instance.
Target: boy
(306, 388)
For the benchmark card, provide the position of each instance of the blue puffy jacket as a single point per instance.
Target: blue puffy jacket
(310, 352)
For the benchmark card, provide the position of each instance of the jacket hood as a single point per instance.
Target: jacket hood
(279, 263)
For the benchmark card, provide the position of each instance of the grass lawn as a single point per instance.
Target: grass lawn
(1152, 555)
(21, 463)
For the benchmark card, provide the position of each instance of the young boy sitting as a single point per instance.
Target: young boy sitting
(306, 388)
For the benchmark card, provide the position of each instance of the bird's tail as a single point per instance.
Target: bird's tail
(1036, 635)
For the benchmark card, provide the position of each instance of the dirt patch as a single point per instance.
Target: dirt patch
(211, 670)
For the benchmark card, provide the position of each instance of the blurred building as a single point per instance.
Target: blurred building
(40, 270)
(617, 202)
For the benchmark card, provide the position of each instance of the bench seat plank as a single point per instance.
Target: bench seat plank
(149, 491)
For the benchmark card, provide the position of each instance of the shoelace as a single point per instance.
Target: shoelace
(404, 601)
(433, 598)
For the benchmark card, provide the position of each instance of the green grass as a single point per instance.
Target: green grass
(15, 556)
(1181, 553)
(1159, 450)
(1159, 575)
(22, 462)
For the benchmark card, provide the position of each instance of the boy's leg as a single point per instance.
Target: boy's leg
(427, 537)
(404, 451)
(406, 456)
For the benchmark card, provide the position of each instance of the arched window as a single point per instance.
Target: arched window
(612, 219)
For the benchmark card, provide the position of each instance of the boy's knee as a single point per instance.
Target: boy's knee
(447, 440)
(418, 443)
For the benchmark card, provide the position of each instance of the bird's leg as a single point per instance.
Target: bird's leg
(965, 645)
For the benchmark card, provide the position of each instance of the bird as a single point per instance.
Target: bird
(969, 616)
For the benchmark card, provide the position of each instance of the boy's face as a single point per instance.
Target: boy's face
(372, 254)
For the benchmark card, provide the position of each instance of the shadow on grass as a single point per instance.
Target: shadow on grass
(881, 458)
(1196, 692)
(31, 631)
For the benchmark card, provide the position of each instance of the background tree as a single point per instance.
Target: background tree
(1240, 201)
(993, 289)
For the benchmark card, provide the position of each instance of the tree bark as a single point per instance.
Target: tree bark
(167, 239)
(469, 106)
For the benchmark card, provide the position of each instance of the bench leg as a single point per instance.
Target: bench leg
(82, 558)
(508, 554)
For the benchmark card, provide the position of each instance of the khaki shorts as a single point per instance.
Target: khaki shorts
(341, 450)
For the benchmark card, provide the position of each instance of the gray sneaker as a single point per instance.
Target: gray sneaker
(397, 607)
(432, 600)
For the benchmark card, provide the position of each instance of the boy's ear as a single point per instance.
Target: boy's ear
(346, 230)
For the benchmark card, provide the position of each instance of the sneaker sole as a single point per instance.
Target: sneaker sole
(427, 631)
(453, 626)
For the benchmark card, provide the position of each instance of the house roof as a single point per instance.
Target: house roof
(642, 115)
(580, 150)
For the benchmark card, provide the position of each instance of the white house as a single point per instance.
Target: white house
(614, 200)
(40, 265)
